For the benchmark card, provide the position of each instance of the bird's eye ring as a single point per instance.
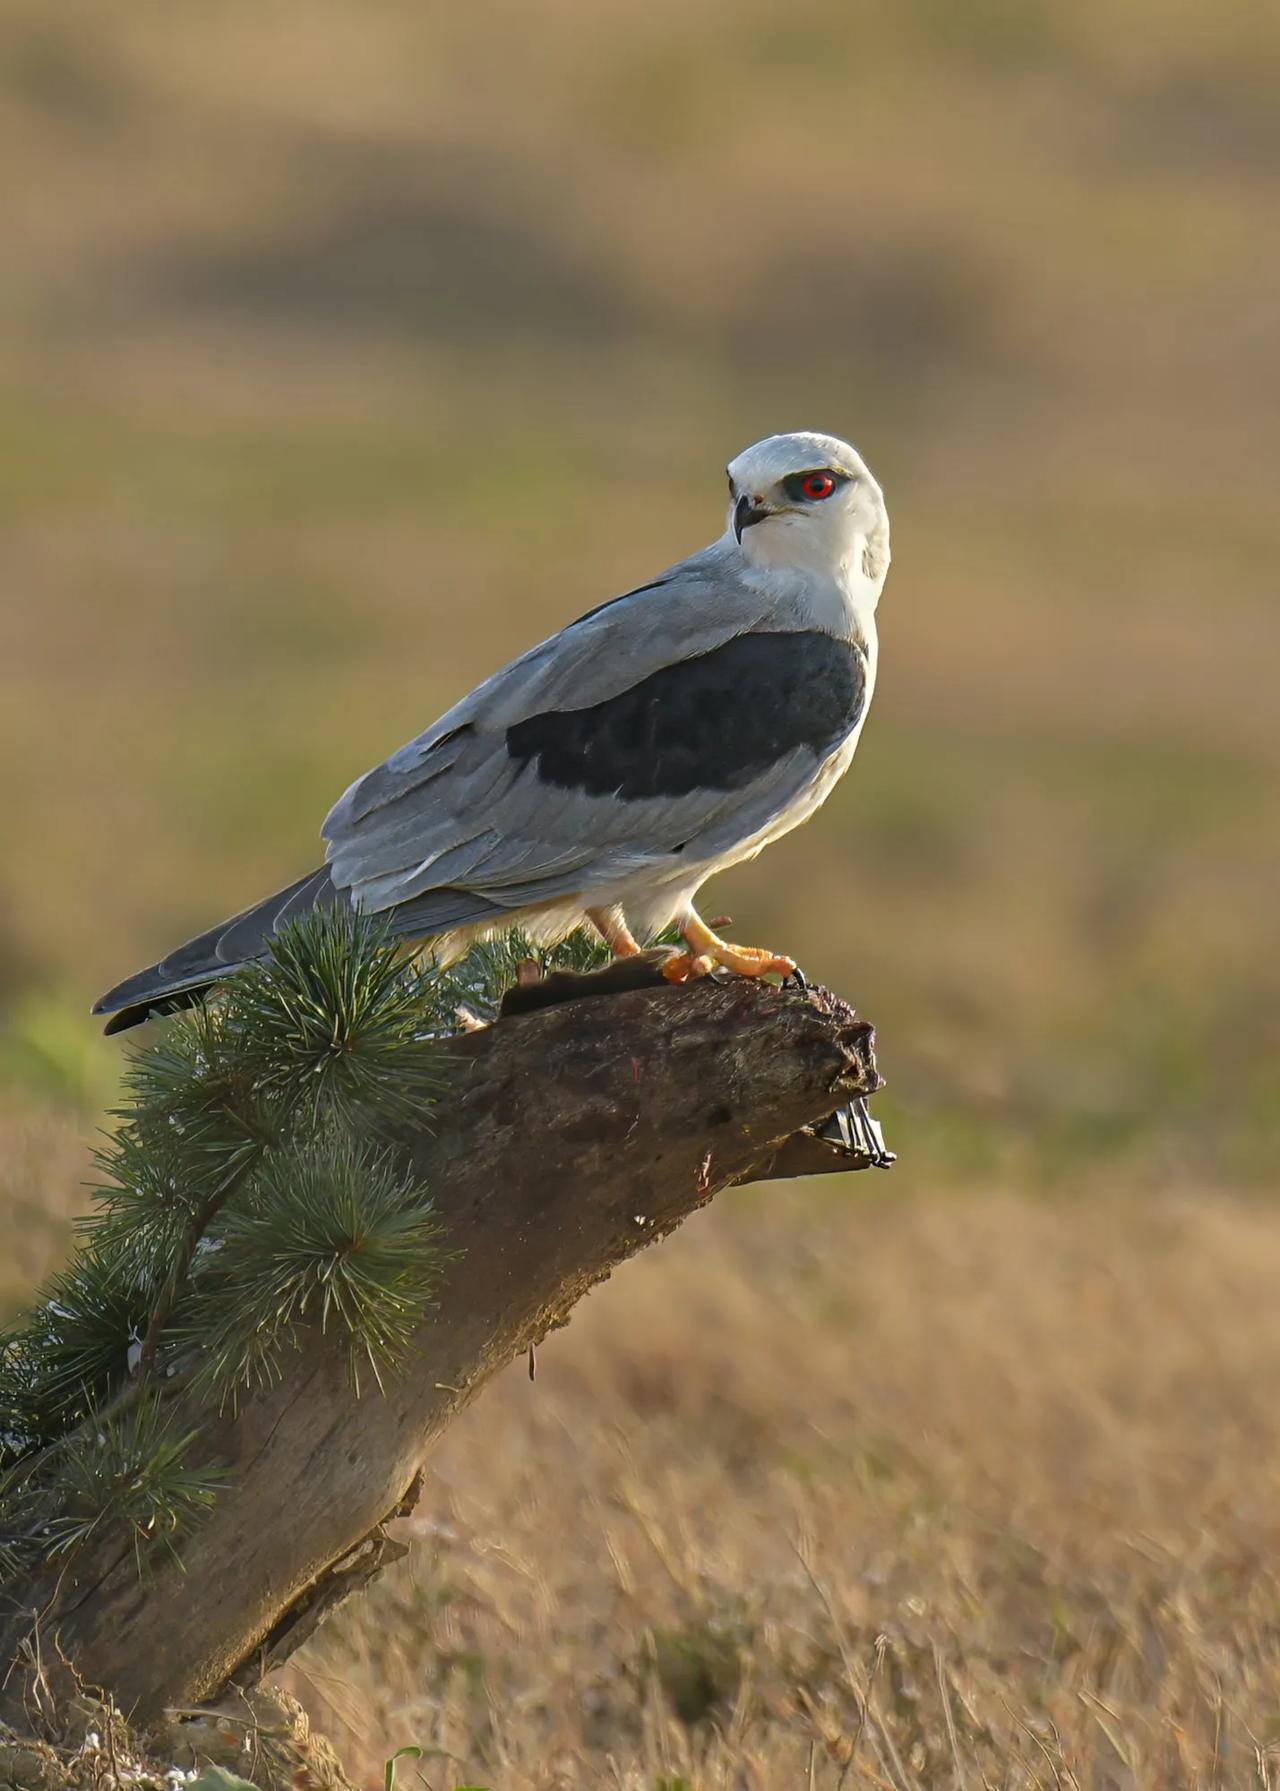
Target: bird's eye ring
(817, 485)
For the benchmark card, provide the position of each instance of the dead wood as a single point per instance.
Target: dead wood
(578, 1134)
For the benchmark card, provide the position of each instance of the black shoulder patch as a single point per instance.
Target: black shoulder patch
(710, 723)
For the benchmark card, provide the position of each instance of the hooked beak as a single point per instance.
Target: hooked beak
(745, 513)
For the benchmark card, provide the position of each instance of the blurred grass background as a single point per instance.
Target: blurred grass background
(346, 350)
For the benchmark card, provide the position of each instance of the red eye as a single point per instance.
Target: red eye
(817, 485)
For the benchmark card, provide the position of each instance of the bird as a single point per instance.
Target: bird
(606, 773)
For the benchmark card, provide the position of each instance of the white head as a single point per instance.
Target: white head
(808, 502)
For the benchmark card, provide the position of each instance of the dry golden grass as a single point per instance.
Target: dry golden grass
(842, 1486)
(44, 1165)
(842, 1489)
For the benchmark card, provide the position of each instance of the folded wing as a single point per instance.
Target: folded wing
(658, 726)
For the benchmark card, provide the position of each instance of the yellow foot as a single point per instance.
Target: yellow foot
(707, 950)
(687, 967)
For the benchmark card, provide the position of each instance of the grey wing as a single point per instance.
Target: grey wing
(655, 733)
(672, 721)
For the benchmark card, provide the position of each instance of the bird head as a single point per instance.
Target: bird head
(809, 502)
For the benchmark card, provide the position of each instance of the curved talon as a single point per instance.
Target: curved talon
(796, 980)
(743, 960)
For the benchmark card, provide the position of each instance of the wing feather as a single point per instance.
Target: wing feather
(469, 805)
(453, 807)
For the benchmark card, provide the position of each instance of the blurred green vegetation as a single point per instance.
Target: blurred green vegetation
(346, 352)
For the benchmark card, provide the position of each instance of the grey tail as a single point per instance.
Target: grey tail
(183, 978)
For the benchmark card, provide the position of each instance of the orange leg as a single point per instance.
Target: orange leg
(612, 927)
(707, 950)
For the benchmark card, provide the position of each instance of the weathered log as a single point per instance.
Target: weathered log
(575, 1136)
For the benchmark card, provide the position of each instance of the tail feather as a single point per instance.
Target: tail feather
(181, 979)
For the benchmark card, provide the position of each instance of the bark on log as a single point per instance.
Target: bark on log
(578, 1135)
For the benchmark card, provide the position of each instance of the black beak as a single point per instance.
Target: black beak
(744, 514)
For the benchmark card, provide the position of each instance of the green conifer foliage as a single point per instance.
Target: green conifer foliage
(252, 1186)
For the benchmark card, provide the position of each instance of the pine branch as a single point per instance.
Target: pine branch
(339, 1024)
(196, 1228)
(130, 1474)
(226, 1107)
(337, 1235)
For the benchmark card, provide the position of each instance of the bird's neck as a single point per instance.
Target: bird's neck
(846, 578)
(860, 579)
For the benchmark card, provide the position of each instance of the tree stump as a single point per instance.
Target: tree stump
(577, 1135)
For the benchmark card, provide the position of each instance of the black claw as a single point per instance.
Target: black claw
(796, 980)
